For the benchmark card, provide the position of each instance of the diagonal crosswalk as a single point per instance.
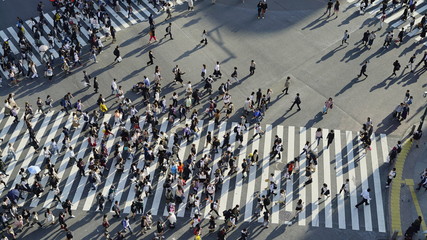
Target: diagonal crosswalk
(119, 20)
(394, 17)
(344, 159)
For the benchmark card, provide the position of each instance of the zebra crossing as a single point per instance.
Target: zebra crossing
(393, 16)
(344, 159)
(120, 20)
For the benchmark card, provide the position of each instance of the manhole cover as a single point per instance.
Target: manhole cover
(287, 216)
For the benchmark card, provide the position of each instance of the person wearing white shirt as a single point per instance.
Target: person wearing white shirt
(11, 152)
(345, 187)
(217, 71)
(365, 197)
(391, 175)
(203, 74)
(114, 86)
(126, 224)
(282, 197)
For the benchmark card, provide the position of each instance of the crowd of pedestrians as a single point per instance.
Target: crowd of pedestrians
(147, 140)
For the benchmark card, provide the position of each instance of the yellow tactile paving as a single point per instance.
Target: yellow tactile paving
(410, 183)
(396, 224)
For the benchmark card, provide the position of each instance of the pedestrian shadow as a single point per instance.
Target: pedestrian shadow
(188, 52)
(409, 48)
(313, 23)
(331, 53)
(322, 23)
(353, 53)
(349, 85)
(191, 22)
(347, 20)
(368, 23)
(412, 78)
(388, 125)
(317, 118)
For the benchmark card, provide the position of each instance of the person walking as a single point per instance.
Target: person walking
(346, 188)
(371, 39)
(319, 136)
(324, 191)
(116, 209)
(266, 218)
(287, 83)
(151, 57)
(116, 53)
(328, 105)
(329, 6)
(61, 220)
(252, 67)
(234, 75)
(204, 38)
(396, 67)
(126, 225)
(391, 175)
(217, 71)
(95, 85)
(411, 63)
(169, 31)
(363, 70)
(345, 38)
(152, 34)
(330, 138)
(101, 201)
(336, 8)
(297, 101)
(365, 198)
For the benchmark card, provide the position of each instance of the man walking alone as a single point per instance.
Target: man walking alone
(363, 70)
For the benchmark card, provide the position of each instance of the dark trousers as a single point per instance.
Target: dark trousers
(363, 201)
(285, 90)
(293, 104)
(150, 62)
(170, 35)
(362, 73)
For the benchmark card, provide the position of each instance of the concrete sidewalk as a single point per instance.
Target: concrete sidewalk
(406, 202)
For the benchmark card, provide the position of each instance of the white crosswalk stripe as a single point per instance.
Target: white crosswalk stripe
(345, 158)
(119, 21)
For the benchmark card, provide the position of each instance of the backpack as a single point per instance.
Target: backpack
(267, 201)
(399, 149)
(235, 129)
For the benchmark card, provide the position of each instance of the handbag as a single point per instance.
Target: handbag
(119, 59)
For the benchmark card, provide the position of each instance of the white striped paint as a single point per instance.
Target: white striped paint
(84, 179)
(250, 198)
(114, 15)
(276, 206)
(353, 184)
(18, 151)
(15, 36)
(221, 132)
(315, 186)
(365, 185)
(290, 182)
(12, 47)
(140, 165)
(64, 163)
(384, 147)
(327, 180)
(54, 157)
(377, 186)
(124, 175)
(237, 193)
(265, 163)
(301, 189)
(226, 184)
(340, 180)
